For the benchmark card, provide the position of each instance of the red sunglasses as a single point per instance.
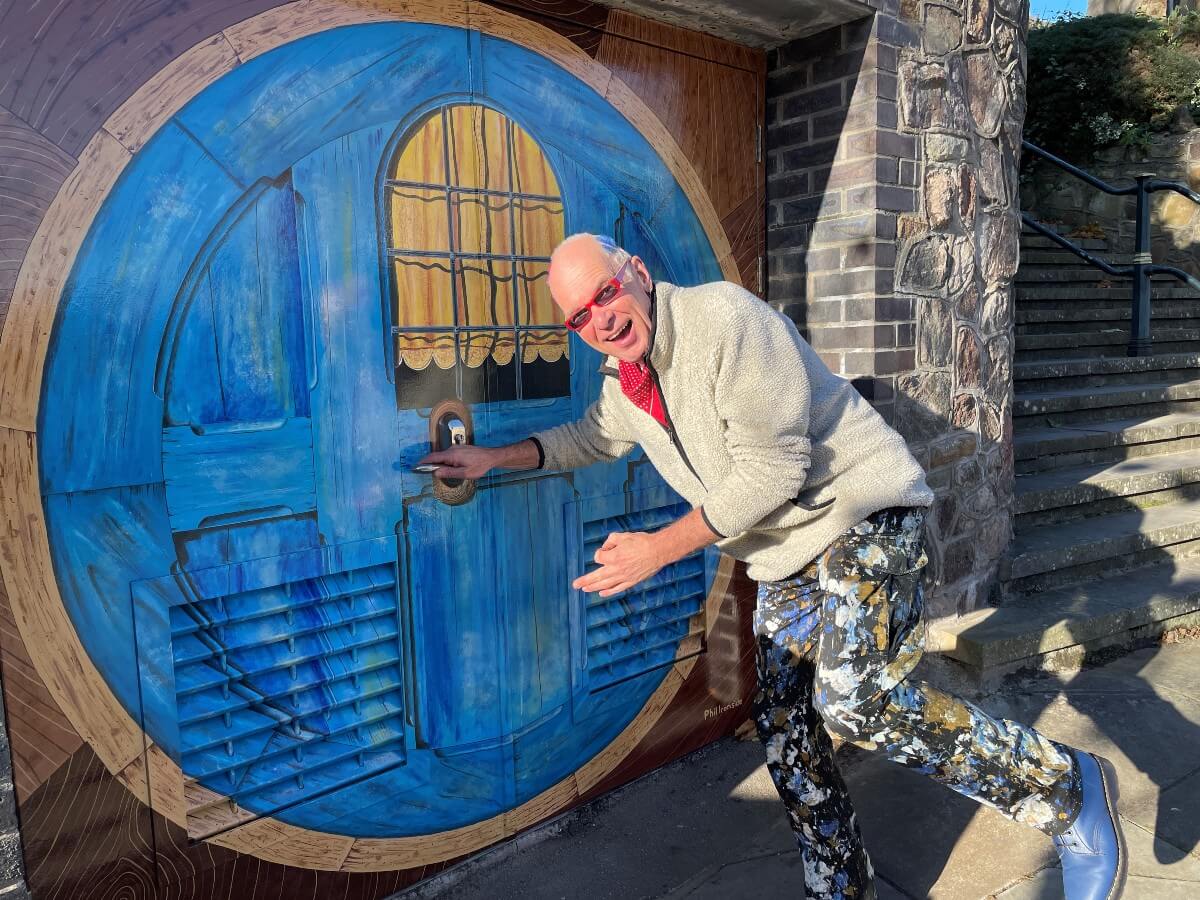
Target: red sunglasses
(608, 292)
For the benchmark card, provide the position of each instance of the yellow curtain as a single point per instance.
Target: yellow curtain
(453, 216)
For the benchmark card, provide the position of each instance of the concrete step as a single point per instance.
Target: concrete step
(1106, 539)
(1061, 374)
(1056, 629)
(1057, 274)
(1107, 343)
(1047, 447)
(1090, 316)
(1096, 404)
(1031, 240)
(1076, 492)
(1056, 256)
(1094, 294)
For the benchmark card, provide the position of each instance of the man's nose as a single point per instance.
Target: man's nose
(603, 317)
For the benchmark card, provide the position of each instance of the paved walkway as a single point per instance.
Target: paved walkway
(712, 827)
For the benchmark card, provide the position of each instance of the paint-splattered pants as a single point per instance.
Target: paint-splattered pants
(836, 643)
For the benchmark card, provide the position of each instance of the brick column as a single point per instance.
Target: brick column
(893, 235)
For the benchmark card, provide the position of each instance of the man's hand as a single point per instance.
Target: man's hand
(467, 461)
(626, 559)
(629, 558)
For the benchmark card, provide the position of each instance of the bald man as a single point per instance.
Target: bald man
(790, 470)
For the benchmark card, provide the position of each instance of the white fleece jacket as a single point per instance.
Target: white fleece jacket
(780, 454)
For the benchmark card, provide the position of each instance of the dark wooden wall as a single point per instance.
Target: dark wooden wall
(64, 69)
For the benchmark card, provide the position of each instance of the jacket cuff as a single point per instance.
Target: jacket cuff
(541, 452)
(711, 526)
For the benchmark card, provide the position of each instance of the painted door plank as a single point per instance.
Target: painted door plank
(284, 105)
(355, 439)
(103, 541)
(261, 469)
(458, 641)
(171, 195)
(192, 392)
(255, 284)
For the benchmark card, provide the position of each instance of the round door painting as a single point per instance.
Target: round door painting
(321, 247)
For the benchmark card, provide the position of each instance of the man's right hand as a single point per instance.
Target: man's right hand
(469, 462)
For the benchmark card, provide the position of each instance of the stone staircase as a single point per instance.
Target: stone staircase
(1106, 550)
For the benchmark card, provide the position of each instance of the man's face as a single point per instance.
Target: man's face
(620, 329)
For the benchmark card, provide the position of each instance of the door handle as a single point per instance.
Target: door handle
(450, 425)
(452, 432)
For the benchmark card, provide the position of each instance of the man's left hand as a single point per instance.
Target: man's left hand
(626, 559)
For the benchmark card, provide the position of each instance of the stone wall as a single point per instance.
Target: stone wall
(1051, 195)
(893, 237)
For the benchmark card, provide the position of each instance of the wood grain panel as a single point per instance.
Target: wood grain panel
(66, 66)
(49, 637)
(152, 104)
(696, 44)
(710, 110)
(578, 21)
(292, 21)
(529, 33)
(31, 171)
(47, 264)
(87, 837)
(40, 736)
(744, 226)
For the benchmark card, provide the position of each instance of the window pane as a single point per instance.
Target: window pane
(478, 148)
(531, 170)
(485, 298)
(534, 304)
(539, 226)
(481, 224)
(423, 158)
(422, 297)
(419, 219)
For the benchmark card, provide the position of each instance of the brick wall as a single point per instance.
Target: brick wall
(838, 175)
(892, 147)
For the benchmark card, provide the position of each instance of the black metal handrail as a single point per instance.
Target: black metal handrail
(1143, 267)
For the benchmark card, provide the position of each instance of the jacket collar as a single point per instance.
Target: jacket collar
(662, 331)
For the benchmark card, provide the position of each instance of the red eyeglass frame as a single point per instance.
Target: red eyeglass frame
(616, 283)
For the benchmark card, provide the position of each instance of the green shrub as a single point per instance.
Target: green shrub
(1104, 80)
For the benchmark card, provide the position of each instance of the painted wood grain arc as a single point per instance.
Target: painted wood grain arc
(27, 568)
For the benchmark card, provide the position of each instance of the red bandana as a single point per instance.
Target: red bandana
(638, 386)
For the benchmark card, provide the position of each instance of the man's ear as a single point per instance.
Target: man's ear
(643, 273)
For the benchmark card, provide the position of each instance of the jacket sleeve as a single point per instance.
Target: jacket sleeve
(597, 436)
(763, 396)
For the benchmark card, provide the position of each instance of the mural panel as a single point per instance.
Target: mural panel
(306, 653)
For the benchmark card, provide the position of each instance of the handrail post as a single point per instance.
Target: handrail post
(1139, 330)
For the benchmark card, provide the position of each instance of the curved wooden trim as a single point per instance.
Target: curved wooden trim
(25, 561)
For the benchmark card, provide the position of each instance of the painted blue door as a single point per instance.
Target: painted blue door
(318, 635)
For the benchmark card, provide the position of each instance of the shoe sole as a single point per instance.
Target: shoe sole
(1112, 795)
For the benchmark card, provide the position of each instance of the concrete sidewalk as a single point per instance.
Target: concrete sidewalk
(711, 826)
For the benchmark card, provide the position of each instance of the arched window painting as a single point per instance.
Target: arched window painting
(473, 213)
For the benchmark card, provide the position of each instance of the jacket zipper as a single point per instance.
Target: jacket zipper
(670, 427)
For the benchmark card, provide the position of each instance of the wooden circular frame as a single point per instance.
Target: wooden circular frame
(25, 560)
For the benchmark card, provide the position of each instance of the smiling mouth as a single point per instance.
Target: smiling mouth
(624, 331)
